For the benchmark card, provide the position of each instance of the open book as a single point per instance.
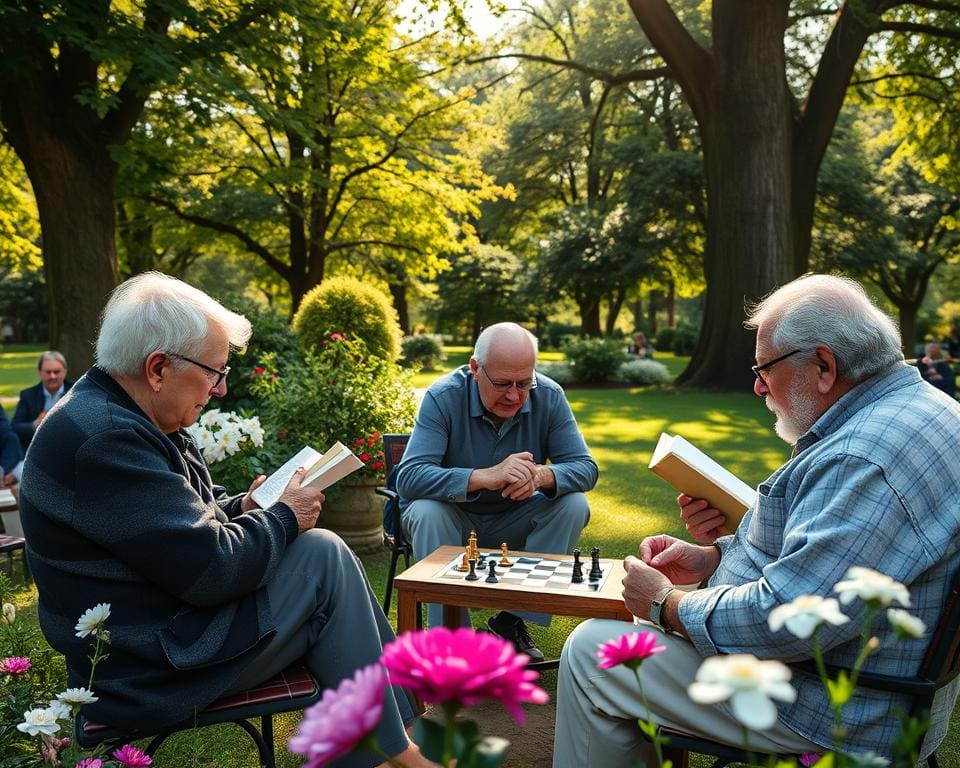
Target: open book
(323, 470)
(691, 471)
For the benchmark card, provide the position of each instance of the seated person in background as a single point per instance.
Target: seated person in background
(37, 400)
(873, 482)
(477, 460)
(935, 369)
(953, 343)
(640, 347)
(11, 457)
(209, 594)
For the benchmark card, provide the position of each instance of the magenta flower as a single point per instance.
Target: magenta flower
(90, 762)
(132, 757)
(15, 665)
(442, 665)
(629, 649)
(809, 758)
(338, 722)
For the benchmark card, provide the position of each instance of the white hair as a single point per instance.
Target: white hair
(153, 312)
(835, 312)
(52, 354)
(489, 335)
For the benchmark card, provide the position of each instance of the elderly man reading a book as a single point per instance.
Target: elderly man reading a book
(208, 594)
(872, 482)
(496, 450)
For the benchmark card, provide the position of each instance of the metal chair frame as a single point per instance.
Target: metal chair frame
(393, 447)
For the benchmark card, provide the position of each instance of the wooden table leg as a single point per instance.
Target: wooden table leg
(451, 616)
(407, 612)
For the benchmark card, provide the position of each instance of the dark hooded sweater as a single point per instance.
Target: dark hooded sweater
(115, 511)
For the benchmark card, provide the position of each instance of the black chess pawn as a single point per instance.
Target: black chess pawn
(596, 572)
(472, 576)
(577, 576)
(492, 575)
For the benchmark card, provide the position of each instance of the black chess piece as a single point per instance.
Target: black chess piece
(577, 576)
(596, 572)
(472, 576)
(492, 575)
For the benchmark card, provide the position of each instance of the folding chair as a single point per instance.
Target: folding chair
(293, 689)
(940, 665)
(393, 447)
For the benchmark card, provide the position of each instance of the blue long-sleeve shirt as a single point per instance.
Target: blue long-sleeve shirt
(453, 436)
(874, 483)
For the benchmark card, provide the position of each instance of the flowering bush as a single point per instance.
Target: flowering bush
(751, 684)
(450, 668)
(231, 445)
(338, 392)
(44, 733)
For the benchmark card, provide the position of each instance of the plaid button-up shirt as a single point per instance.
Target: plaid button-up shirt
(874, 483)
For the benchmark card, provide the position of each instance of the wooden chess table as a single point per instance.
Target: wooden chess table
(434, 580)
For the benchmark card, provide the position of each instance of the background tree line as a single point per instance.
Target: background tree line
(589, 155)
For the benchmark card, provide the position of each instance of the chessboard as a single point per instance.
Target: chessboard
(542, 572)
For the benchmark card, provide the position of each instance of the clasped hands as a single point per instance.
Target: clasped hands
(517, 477)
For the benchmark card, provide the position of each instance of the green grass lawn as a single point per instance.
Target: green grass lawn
(621, 426)
(18, 370)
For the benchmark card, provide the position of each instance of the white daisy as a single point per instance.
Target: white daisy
(802, 616)
(906, 624)
(92, 620)
(73, 696)
(748, 683)
(37, 721)
(871, 587)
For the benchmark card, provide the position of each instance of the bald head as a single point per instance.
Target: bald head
(506, 340)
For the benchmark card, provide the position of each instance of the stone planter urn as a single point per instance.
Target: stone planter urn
(355, 512)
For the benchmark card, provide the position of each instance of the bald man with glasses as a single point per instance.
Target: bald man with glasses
(496, 450)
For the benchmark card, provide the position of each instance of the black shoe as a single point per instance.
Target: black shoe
(512, 628)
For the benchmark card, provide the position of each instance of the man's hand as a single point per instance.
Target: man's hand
(9, 480)
(517, 471)
(248, 503)
(641, 585)
(306, 502)
(679, 561)
(703, 521)
(542, 478)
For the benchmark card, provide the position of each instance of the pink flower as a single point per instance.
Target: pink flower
(132, 757)
(809, 758)
(441, 665)
(629, 649)
(338, 722)
(90, 762)
(336, 336)
(15, 665)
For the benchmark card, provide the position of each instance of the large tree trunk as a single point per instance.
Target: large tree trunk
(73, 181)
(589, 317)
(746, 144)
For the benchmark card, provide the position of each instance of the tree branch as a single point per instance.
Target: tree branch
(919, 29)
(611, 78)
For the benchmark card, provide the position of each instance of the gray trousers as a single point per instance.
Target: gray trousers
(327, 614)
(598, 709)
(538, 524)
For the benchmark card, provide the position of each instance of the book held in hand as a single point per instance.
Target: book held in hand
(691, 471)
(323, 470)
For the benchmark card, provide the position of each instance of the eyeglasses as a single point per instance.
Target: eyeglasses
(757, 368)
(221, 374)
(504, 386)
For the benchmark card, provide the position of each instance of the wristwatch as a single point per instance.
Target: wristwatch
(656, 609)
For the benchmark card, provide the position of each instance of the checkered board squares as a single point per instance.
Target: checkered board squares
(541, 572)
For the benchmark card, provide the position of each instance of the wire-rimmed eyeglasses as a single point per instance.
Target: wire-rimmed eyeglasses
(220, 373)
(767, 365)
(504, 386)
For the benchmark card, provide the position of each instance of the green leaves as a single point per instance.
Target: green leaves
(463, 743)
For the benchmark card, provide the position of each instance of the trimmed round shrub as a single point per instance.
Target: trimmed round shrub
(421, 351)
(684, 341)
(665, 339)
(642, 373)
(350, 307)
(594, 359)
(559, 370)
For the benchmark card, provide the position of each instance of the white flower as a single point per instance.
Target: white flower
(73, 696)
(93, 619)
(60, 709)
(37, 721)
(210, 418)
(869, 760)
(805, 614)
(748, 682)
(9, 613)
(871, 586)
(905, 624)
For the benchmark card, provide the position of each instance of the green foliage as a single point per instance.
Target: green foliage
(594, 359)
(559, 370)
(557, 335)
(421, 351)
(684, 340)
(643, 373)
(350, 307)
(337, 391)
(273, 336)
